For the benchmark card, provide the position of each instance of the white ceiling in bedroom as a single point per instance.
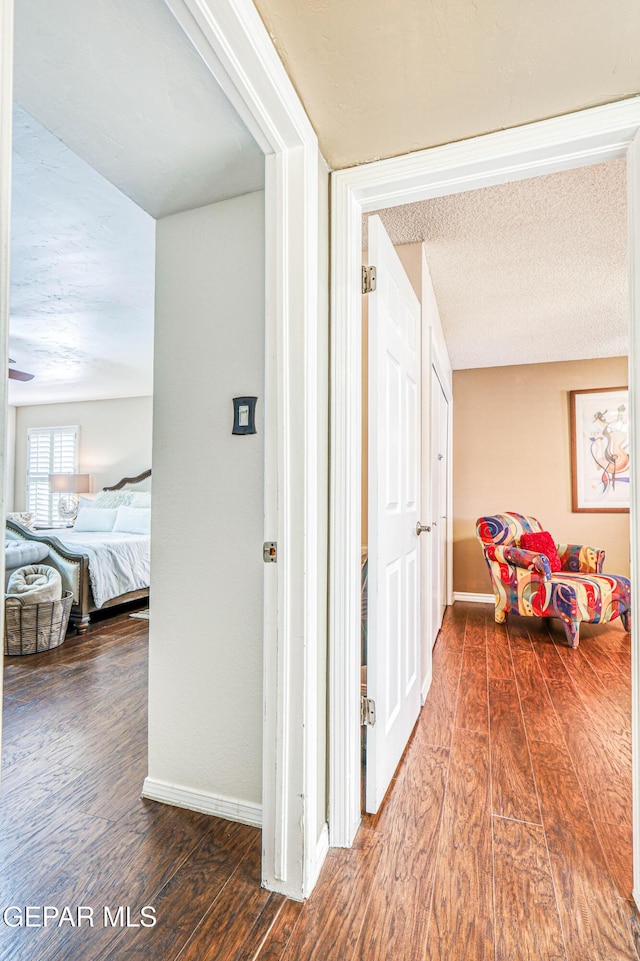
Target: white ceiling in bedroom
(117, 121)
(82, 277)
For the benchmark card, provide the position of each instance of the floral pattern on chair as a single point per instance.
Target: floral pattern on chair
(524, 584)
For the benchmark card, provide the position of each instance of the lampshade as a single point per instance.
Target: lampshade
(70, 483)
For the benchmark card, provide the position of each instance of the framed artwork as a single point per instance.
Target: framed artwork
(600, 449)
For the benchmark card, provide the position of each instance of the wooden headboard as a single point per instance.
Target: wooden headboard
(138, 481)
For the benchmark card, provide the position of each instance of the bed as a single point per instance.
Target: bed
(102, 569)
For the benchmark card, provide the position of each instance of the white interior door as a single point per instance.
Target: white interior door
(439, 500)
(393, 646)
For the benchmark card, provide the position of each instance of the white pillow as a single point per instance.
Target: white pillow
(112, 498)
(140, 499)
(95, 519)
(133, 520)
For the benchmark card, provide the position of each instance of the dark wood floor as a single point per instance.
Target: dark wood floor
(506, 835)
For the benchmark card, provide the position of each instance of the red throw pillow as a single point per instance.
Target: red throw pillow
(542, 542)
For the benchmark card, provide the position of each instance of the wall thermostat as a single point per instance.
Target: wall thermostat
(244, 415)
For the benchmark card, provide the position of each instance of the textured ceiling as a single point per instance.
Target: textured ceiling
(381, 78)
(82, 277)
(119, 83)
(527, 272)
(111, 95)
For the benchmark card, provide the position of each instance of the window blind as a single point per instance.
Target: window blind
(50, 450)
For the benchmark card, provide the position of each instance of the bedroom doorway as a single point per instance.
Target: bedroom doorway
(237, 51)
(87, 305)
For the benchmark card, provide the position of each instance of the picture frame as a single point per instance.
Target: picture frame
(600, 466)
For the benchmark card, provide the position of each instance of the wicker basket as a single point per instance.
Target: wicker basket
(33, 628)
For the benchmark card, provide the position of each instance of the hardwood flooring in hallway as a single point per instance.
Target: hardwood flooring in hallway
(506, 834)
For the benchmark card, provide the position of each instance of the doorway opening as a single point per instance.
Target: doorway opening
(589, 138)
(86, 296)
(483, 425)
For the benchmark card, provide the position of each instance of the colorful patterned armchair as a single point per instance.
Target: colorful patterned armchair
(524, 583)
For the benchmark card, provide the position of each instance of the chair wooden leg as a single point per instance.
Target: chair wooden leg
(625, 617)
(500, 616)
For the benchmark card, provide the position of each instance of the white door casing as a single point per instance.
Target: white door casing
(562, 143)
(6, 115)
(393, 622)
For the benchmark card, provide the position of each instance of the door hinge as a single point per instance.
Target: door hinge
(367, 711)
(368, 280)
(270, 552)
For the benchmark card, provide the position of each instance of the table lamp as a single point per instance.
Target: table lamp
(70, 486)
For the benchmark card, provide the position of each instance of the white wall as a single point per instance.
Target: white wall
(115, 438)
(205, 685)
(10, 454)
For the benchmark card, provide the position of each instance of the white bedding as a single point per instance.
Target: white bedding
(118, 563)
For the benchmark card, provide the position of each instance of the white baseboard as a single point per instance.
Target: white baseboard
(222, 807)
(473, 598)
(426, 684)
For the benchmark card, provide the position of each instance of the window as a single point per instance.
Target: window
(50, 450)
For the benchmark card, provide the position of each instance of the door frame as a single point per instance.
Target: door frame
(6, 122)
(234, 43)
(574, 140)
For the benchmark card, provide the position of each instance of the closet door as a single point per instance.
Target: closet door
(439, 519)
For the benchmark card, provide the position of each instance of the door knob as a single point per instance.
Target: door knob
(421, 528)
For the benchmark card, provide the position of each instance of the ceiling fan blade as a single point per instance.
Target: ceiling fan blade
(19, 375)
